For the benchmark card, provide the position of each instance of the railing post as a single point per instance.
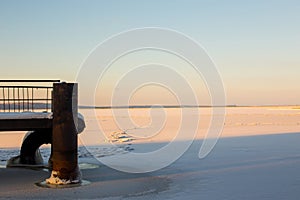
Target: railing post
(64, 136)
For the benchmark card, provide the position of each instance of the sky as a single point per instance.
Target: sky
(254, 44)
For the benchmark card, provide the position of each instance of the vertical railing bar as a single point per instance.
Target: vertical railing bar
(27, 99)
(47, 97)
(32, 99)
(14, 101)
(52, 95)
(19, 100)
(3, 91)
(23, 95)
(8, 100)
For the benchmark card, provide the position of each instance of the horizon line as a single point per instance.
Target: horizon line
(177, 106)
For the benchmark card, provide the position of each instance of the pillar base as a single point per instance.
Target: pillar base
(73, 178)
(44, 184)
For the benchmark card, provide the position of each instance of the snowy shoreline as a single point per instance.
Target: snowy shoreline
(256, 157)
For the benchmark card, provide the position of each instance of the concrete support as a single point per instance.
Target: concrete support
(64, 136)
(29, 153)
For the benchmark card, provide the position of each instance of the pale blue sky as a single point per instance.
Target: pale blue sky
(255, 44)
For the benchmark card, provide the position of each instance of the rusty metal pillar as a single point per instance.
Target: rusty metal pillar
(64, 136)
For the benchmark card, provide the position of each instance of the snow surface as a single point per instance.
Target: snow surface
(257, 157)
(26, 115)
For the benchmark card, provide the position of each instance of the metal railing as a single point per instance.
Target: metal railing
(25, 95)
